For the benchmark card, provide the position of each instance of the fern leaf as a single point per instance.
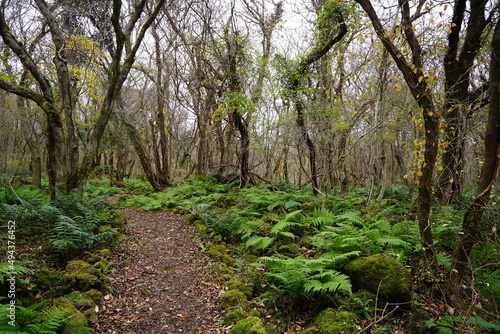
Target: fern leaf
(393, 241)
(259, 242)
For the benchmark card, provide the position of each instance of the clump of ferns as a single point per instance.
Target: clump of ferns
(68, 239)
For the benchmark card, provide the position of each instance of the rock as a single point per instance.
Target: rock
(82, 276)
(383, 276)
(330, 321)
(240, 286)
(234, 316)
(233, 298)
(77, 320)
(219, 252)
(250, 325)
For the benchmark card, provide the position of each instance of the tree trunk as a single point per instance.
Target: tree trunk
(457, 66)
(473, 215)
(322, 47)
(413, 74)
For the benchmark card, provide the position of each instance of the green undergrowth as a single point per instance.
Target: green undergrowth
(293, 246)
(42, 239)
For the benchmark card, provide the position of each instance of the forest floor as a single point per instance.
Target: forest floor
(161, 281)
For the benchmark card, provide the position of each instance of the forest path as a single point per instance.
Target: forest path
(160, 280)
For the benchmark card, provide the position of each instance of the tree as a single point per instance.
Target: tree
(413, 73)
(331, 29)
(471, 227)
(56, 95)
(460, 100)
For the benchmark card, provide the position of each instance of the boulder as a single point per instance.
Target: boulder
(383, 276)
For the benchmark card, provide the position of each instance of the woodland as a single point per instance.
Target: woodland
(339, 158)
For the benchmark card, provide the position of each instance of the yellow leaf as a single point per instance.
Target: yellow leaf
(398, 88)
(417, 182)
(420, 173)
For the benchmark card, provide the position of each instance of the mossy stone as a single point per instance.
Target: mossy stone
(330, 321)
(225, 202)
(95, 295)
(382, 276)
(80, 275)
(233, 298)
(77, 320)
(250, 325)
(219, 252)
(240, 286)
(191, 217)
(80, 300)
(234, 316)
(103, 266)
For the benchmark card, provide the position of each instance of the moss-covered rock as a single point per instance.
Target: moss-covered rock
(234, 316)
(191, 217)
(225, 202)
(81, 301)
(219, 252)
(240, 286)
(77, 320)
(232, 299)
(250, 325)
(82, 276)
(103, 266)
(330, 321)
(382, 276)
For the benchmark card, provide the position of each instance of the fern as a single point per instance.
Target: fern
(351, 217)
(322, 218)
(292, 221)
(30, 320)
(298, 276)
(258, 242)
(68, 238)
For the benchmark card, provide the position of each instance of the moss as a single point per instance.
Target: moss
(80, 300)
(199, 224)
(90, 315)
(234, 316)
(225, 202)
(233, 298)
(330, 321)
(191, 217)
(219, 252)
(76, 321)
(103, 266)
(383, 276)
(80, 275)
(179, 211)
(240, 286)
(222, 268)
(250, 325)
(95, 295)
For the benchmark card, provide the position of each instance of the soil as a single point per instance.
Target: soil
(161, 281)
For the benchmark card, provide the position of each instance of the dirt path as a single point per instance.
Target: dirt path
(160, 280)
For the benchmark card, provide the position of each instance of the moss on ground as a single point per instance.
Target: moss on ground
(250, 325)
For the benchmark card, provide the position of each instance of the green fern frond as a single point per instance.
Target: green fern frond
(393, 242)
(258, 242)
(351, 217)
(321, 218)
(6, 268)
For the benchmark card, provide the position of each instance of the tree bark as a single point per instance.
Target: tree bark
(412, 72)
(471, 223)
(457, 67)
(321, 49)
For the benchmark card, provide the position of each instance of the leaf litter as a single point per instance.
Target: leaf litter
(161, 282)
